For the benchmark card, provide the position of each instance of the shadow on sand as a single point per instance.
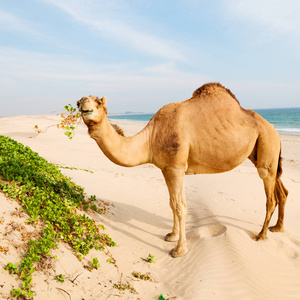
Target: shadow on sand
(124, 218)
(125, 215)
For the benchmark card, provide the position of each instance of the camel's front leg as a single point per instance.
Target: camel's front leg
(175, 182)
(173, 236)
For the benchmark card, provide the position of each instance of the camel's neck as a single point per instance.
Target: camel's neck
(123, 151)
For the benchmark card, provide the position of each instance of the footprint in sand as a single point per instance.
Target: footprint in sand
(207, 231)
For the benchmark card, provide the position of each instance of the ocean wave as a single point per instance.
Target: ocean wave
(289, 130)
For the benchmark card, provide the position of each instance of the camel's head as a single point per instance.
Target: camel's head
(92, 108)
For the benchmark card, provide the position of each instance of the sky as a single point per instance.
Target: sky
(143, 54)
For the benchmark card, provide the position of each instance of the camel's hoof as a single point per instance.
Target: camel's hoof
(260, 237)
(178, 252)
(170, 237)
(276, 228)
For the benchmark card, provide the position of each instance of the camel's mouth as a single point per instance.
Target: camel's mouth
(87, 112)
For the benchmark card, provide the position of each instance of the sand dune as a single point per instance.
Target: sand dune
(224, 212)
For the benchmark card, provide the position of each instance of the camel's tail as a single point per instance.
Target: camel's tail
(280, 191)
(279, 169)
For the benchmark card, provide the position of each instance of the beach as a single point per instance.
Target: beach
(225, 211)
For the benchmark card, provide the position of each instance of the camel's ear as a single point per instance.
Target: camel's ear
(103, 101)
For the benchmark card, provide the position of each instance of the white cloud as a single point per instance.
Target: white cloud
(275, 16)
(35, 66)
(105, 21)
(11, 22)
(37, 77)
(50, 81)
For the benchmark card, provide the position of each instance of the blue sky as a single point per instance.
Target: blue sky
(142, 55)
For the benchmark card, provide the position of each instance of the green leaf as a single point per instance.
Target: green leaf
(151, 258)
(30, 294)
(60, 278)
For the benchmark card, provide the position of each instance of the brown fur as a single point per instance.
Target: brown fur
(170, 144)
(280, 195)
(280, 190)
(118, 129)
(92, 128)
(279, 169)
(196, 137)
(105, 110)
(210, 88)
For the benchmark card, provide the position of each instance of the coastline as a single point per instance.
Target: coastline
(224, 212)
(285, 120)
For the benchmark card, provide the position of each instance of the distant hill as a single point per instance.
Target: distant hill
(133, 112)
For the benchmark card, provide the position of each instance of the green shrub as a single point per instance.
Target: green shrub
(46, 194)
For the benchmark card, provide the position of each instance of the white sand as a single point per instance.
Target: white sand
(224, 212)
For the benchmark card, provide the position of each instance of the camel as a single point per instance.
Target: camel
(206, 134)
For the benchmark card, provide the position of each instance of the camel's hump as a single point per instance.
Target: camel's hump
(210, 88)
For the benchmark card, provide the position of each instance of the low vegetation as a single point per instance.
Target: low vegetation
(52, 199)
(122, 287)
(151, 259)
(141, 276)
(60, 278)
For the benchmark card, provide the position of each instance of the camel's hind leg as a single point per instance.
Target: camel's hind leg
(280, 196)
(269, 168)
(269, 185)
(276, 195)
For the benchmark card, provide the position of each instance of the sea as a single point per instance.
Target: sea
(285, 120)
